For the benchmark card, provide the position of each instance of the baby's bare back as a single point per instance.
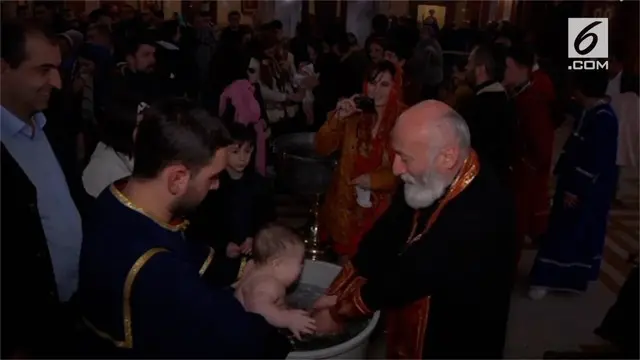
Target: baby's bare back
(259, 287)
(261, 293)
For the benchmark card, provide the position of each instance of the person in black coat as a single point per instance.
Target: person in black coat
(43, 201)
(446, 237)
(230, 217)
(140, 75)
(491, 115)
(175, 60)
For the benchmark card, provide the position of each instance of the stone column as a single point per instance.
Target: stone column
(359, 15)
(266, 11)
(507, 10)
(289, 12)
(494, 9)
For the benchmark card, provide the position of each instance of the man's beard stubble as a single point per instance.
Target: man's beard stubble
(470, 77)
(186, 204)
(423, 192)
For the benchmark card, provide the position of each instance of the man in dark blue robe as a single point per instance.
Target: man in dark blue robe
(570, 256)
(140, 290)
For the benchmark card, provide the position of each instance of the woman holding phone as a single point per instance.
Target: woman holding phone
(363, 182)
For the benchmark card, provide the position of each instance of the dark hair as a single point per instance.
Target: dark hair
(380, 23)
(233, 13)
(237, 68)
(267, 40)
(276, 25)
(96, 14)
(117, 122)
(377, 40)
(461, 63)
(90, 52)
(241, 133)
(592, 83)
(343, 43)
(133, 43)
(353, 39)
(102, 29)
(303, 29)
(397, 47)
(521, 55)
(617, 52)
(382, 67)
(168, 29)
(492, 57)
(316, 45)
(14, 40)
(173, 131)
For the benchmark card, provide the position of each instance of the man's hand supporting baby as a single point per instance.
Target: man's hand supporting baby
(266, 299)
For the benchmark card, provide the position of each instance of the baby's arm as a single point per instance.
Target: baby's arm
(262, 299)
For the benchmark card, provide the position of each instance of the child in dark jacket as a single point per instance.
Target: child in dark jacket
(230, 216)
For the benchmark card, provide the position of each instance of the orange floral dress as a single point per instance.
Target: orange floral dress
(341, 219)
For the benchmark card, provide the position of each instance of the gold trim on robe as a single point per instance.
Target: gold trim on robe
(207, 262)
(127, 343)
(126, 301)
(243, 265)
(345, 277)
(406, 329)
(179, 225)
(406, 326)
(350, 304)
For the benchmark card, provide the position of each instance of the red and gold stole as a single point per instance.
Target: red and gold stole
(406, 326)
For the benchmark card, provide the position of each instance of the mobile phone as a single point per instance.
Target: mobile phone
(365, 103)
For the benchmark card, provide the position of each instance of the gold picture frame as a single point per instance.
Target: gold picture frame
(249, 6)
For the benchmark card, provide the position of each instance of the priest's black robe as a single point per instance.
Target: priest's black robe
(446, 295)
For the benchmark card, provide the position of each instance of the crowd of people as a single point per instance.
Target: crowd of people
(123, 134)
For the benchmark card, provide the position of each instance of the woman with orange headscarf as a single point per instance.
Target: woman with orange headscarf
(363, 182)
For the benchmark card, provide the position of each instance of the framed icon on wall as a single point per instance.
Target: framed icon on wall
(249, 6)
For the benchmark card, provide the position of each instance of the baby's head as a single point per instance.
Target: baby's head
(282, 249)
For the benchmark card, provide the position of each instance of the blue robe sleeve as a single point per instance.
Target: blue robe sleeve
(597, 156)
(176, 314)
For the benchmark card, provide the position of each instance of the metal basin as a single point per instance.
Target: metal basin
(300, 170)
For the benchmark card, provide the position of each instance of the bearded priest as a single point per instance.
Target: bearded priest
(440, 262)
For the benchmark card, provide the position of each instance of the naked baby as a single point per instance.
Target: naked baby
(278, 256)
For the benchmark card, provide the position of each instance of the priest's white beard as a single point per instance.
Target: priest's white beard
(424, 191)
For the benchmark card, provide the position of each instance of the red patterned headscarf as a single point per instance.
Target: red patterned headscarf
(394, 103)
